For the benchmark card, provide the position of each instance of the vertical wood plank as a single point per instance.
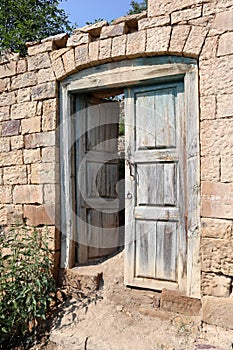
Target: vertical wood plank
(170, 184)
(145, 120)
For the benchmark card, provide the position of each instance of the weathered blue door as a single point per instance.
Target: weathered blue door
(155, 187)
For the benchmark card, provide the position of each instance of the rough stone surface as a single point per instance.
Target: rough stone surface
(186, 15)
(39, 215)
(24, 80)
(43, 173)
(217, 256)
(215, 285)
(146, 23)
(81, 55)
(113, 30)
(119, 47)
(178, 38)
(8, 69)
(79, 39)
(223, 22)
(218, 311)
(217, 200)
(4, 113)
(5, 194)
(11, 158)
(58, 68)
(39, 61)
(23, 110)
(30, 125)
(31, 156)
(226, 168)
(175, 302)
(15, 175)
(105, 50)
(225, 106)
(49, 117)
(208, 107)
(158, 40)
(7, 99)
(69, 61)
(17, 142)
(44, 91)
(28, 194)
(43, 139)
(45, 75)
(217, 228)
(24, 95)
(210, 168)
(136, 44)
(195, 41)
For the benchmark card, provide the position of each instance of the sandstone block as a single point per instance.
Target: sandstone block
(175, 302)
(227, 168)
(225, 44)
(10, 128)
(113, 30)
(79, 38)
(49, 117)
(4, 84)
(7, 56)
(39, 61)
(215, 285)
(217, 256)
(11, 158)
(158, 40)
(94, 29)
(14, 214)
(217, 311)
(216, 228)
(136, 44)
(1, 176)
(186, 15)
(93, 52)
(211, 76)
(178, 38)
(43, 139)
(24, 95)
(17, 142)
(208, 107)
(216, 137)
(81, 55)
(105, 50)
(210, 168)
(43, 173)
(23, 110)
(59, 40)
(161, 7)
(24, 80)
(3, 215)
(31, 156)
(38, 47)
(44, 91)
(4, 144)
(146, 23)
(15, 175)
(217, 200)
(4, 113)
(45, 75)
(195, 41)
(23, 194)
(69, 61)
(22, 66)
(8, 69)
(58, 68)
(224, 106)
(5, 194)
(119, 48)
(223, 22)
(51, 193)
(215, 6)
(7, 99)
(131, 20)
(30, 125)
(39, 215)
(49, 155)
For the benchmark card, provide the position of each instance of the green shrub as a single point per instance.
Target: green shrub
(26, 284)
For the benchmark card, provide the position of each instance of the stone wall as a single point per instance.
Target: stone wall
(202, 29)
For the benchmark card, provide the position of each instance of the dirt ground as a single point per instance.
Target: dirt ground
(120, 318)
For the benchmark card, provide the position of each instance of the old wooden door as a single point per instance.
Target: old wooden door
(96, 178)
(155, 187)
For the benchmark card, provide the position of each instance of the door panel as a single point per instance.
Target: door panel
(97, 176)
(155, 182)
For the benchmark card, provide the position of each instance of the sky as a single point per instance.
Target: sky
(82, 11)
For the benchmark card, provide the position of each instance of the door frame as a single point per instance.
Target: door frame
(135, 72)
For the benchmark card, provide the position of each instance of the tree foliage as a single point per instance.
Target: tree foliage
(29, 20)
(137, 7)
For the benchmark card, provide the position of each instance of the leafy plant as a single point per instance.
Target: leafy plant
(137, 7)
(26, 284)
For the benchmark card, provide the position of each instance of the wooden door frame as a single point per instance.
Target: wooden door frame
(122, 74)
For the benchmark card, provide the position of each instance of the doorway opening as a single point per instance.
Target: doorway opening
(99, 169)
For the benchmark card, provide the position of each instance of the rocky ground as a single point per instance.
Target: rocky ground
(120, 318)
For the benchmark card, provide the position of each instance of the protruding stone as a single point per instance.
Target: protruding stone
(136, 44)
(59, 40)
(146, 23)
(94, 29)
(158, 40)
(42, 139)
(217, 311)
(39, 215)
(79, 39)
(176, 302)
(215, 285)
(113, 30)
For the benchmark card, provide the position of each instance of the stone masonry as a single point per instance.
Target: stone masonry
(29, 116)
